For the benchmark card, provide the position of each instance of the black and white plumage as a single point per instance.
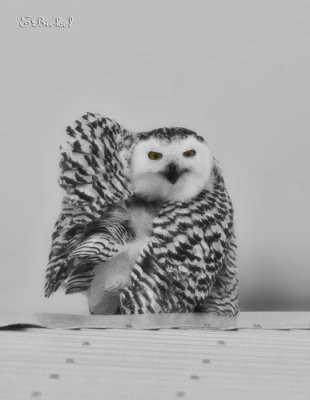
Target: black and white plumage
(140, 234)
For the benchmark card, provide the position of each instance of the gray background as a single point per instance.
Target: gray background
(237, 72)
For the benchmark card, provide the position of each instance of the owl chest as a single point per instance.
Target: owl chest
(141, 222)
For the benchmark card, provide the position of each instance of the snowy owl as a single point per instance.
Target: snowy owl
(146, 224)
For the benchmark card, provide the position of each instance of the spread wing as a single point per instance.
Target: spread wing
(94, 162)
(190, 250)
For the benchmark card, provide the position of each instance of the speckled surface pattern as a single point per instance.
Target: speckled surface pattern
(155, 364)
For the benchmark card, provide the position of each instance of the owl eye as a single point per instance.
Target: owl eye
(153, 155)
(189, 153)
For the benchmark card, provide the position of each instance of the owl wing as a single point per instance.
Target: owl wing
(189, 249)
(94, 162)
(223, 296)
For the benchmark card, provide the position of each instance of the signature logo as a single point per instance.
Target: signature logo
(41, 22)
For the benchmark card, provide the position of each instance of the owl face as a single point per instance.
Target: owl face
(170, 170)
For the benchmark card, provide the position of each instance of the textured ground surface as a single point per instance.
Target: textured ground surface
(155, 364)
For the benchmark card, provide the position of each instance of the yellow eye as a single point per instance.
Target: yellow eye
(189, 153)
(153, 155)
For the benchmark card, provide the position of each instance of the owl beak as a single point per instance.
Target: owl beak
(172, 173)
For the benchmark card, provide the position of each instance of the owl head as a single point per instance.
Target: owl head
(170, 164)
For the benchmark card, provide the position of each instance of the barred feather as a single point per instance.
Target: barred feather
(192, 253)
(93, 174)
